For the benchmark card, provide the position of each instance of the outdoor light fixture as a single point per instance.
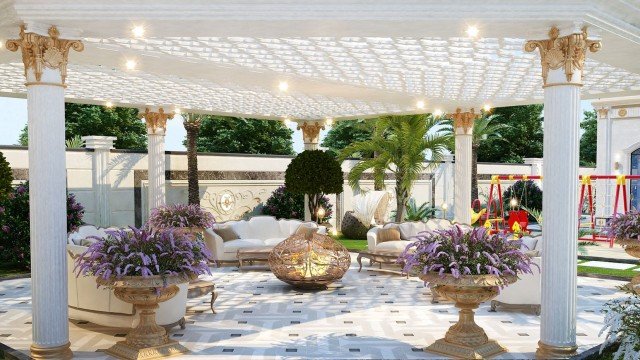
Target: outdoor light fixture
(131, 64)
(138, 31)
(486, 107)
(420, 104)
(437, 113)
(472, 31)
(444, 210)
(320, 213)
(108, 104)
(283, 86)
(334, 232)
(513, 203)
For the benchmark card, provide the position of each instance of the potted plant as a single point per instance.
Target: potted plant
(625, 229)
(467, 267)
(191, 219)
(143, 268)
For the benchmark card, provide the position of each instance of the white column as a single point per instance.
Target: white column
(101, 146)
(537, 165)
(311, 138)
(156, 128)
(562, 113)
(604, 163)
(47, 189)
(463, 125)
(448, 186)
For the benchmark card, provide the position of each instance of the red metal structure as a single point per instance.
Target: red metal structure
(497, 218)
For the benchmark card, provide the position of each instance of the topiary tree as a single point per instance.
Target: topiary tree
(531, 197)
(314, 173)
(6, 176)
(283, 204)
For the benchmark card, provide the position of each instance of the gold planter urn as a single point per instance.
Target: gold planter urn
(632, 247)
(148, 340)
(465, 339)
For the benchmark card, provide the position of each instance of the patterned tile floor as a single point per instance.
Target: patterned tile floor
(369, 315)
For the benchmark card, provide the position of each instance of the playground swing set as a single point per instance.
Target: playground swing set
(493, 215)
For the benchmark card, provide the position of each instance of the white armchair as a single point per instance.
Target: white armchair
(527, 291)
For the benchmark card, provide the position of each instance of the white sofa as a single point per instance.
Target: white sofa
(408, 233)
(527, 291)
(259, 231)
(99, 305)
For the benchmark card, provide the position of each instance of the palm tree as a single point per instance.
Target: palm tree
(192, 124)
(401, 143)
(483, 128)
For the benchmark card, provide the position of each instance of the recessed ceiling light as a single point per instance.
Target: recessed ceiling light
(138, 31)
(472, 31)
(108, 104)
(486, 107)
(437, 112)
(420, 104)
(131, 64)
(283, 86)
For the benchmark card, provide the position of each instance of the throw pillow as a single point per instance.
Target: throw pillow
(88, 242)
(388, 235)
(306, 230)
(226, 233)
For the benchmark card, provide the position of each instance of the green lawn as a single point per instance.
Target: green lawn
(351, 244)
(10, 270)
(626, 274)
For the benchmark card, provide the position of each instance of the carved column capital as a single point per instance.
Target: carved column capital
(603, 112)
(311, 131)
(464, 120)
(40, 51)
(156, 120)
(567, 52)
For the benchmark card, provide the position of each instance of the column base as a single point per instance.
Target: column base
(62, 352)
(122, 350)
(555, 352)
(486, 350)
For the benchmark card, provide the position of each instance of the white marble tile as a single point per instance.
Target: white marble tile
(608, 265)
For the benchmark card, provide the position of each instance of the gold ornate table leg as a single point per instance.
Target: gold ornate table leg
(360, 262)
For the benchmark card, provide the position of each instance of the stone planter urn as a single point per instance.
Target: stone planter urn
(193, 231)
(148, 340)
(632, 247)
(466, 339)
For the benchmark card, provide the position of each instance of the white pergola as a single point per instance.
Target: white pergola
(339, 59)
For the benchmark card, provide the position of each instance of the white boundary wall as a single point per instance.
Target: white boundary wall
(231, 185)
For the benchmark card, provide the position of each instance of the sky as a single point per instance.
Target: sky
(13, 118)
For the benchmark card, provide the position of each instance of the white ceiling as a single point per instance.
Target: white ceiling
(341, 58)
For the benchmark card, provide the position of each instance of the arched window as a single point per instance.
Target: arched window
(634, 200)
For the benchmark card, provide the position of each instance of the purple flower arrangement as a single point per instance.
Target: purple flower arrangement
(459, 253)
(180, 216)
(624, 226)
(139, 252)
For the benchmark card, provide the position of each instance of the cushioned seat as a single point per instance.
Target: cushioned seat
(409, 231)
(258, 231)
(394, 245)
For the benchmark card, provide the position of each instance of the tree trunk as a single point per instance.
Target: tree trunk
(474, 172)
(401, 200)
(314, 205)
(193, 128)
(377, 185)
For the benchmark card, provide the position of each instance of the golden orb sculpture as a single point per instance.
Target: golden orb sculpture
(309, 261)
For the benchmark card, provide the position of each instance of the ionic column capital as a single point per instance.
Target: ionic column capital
(156, 120)
(40, 51)
(311, 131)
(463, 120)
(566, 52)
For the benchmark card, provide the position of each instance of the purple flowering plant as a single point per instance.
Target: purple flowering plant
(624, 226)
(466, 252)
(140, 252)
(180, 216)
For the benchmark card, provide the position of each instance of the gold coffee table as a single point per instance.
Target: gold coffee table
(253, 254)
(380, 257)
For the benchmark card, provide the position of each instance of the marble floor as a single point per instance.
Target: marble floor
(374, 314)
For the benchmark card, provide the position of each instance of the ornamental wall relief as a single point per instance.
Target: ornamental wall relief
(234, 204)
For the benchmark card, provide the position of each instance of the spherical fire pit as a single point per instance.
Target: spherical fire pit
(310, 261)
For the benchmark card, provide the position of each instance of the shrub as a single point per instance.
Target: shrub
(531, 197)
(624, 226)
(283, 204)
(314, 173)
(6, 177)
(14, 231)
(458, 252)
(621, 320)
(413, 212)
(140, 252)
(180, 216)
